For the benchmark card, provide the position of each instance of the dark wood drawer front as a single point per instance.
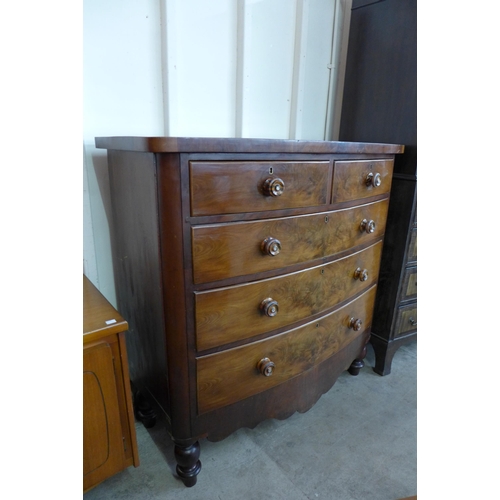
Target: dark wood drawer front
(406, 321)
(353, 180)
(412, 247)
(236, 249)
(229, 376)
(235, 187)
(409, 288)
(243, 311)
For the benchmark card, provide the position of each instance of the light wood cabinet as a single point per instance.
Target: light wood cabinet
(109, 441)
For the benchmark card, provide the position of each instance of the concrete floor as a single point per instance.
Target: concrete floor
(357, 443)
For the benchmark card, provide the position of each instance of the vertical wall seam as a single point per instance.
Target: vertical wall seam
(332, 76)
(240, 47)
(340, 42)
(164, 65)
(296, 72)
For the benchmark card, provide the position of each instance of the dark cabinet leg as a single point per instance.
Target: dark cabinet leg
(384, 352)
(188, 465)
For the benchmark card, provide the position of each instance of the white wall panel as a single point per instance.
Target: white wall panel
(316, 53)
(122, 95)
(201, 67)
(268, 56)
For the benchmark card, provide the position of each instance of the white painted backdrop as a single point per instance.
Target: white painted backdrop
(218, 68)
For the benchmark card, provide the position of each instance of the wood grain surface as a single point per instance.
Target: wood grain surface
(349, 179)
(233, 313)
(236, 145)
(229, 376)
(226, 250)
(234, 187)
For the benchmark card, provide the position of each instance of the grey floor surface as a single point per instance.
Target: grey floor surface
(359, 442)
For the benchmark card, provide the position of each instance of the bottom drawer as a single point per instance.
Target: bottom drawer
(406, 320)
(232, 375)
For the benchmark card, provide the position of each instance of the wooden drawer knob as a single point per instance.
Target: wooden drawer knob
(274, 186)
(373, 179)
(269, 307)
(355, 324)
(271, 246)
(266, 367)
(367, 225)
(361, 274)
(413, 321)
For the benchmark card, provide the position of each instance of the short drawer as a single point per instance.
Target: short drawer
(236, 187)
(409, 285)
(239, 312)
(406, 320)
(353, 180)
(229, 376)
(223, 251)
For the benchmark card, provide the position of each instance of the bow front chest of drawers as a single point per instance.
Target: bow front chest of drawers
(247, 270)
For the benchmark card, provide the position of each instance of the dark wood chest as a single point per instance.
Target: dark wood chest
(247, 271)
(380, 105)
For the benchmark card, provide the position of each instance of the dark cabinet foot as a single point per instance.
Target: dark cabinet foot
(358, 363)
(384, 351)
(143, 410)
(356, 366)
(188, 465)
(383, 358)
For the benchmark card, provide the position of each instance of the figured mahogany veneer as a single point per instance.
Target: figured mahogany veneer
(361, 179)
(247, 270)
(234, 249)
(232, 375)
(229, 314)
(233, 187)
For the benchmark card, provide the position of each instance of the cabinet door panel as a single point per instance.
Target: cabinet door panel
(103, 453)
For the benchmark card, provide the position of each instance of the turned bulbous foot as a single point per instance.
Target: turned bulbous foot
(188, 465)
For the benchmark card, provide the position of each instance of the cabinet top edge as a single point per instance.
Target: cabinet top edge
(238, 145)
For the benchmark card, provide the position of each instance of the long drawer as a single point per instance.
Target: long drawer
(229, 376)
(223, 251)
(236, 187)
(239, 312)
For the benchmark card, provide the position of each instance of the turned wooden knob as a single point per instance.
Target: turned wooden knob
(355, 324)
(269, 307)
(274, 186)
(367, 225)
(373, 179)
(361, 274)
(413, 321)
(266, 367)
(271, 246)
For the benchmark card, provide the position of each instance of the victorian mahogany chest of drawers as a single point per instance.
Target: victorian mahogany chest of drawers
(247, 270)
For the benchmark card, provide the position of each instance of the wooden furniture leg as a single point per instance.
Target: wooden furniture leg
(188, 465)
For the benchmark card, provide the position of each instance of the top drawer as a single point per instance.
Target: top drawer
(354, 180)
(246, 186)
